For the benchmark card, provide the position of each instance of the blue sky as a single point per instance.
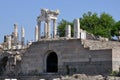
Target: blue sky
(25, 12)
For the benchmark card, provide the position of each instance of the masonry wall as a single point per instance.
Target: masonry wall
(116, 59)
(72, 56)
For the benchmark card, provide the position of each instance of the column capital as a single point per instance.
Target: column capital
(38, 22)
(47, 21)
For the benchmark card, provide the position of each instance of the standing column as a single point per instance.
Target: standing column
(9, 42)
(39, 30)
(15, 34)
(119, 36)
(76, 28)
(48, 29)
(54, 28)
(68, 31)
(36, 33)
(22, 36)
(45, 30)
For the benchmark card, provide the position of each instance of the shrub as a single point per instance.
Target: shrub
(114, 73)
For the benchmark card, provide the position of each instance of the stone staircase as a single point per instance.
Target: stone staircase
(43, 76)
(49, 76)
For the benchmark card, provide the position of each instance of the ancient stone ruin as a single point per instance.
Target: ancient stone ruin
(80, 54)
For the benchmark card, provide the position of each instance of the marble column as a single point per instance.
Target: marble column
(36, 33)
(9, 42)
(45, 30)
(119, 36)
(48, 29)
(68, 31)
(76, 28)
(54, 28)
(22, 36)
(16, 30)
(39, 30)
(15, 34)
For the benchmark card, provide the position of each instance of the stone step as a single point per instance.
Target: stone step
(49, 76)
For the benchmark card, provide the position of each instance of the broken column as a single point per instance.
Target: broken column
(83, 35)
(9, 42)
(76, 28)
(36, 33)
(22, 36)
(68, 31)
(15, 34)
(119, 36)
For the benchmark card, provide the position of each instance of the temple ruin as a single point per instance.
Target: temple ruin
(82, 53)
(47, 16)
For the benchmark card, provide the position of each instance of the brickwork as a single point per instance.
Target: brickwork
(74, 55)
(70, 52)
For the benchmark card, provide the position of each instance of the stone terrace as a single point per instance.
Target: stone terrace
(96, 45)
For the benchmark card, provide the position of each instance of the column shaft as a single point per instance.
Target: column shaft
(48, 29)
(45, 30)
(54, 29)
(9, 42)
(76, 28)
(39, 31)
(68, 31)
(22, 36)
(36, 33)
(15, 34)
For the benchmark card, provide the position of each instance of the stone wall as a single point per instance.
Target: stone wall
(114, 45)
(97, 62)
(116, 59)
(97, 45)
(70, 53)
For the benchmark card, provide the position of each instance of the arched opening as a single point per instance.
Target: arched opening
(3, 63)
(52, 62)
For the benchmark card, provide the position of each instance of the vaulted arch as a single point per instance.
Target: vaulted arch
(52, 62)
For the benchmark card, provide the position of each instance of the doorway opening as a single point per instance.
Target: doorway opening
(3, 63)
(52, 62)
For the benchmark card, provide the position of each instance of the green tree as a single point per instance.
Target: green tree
(107, 22)
(116, 28)
(96, 25)
(89, 22)
(102, 25)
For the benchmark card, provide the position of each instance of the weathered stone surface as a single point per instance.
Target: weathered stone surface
(97, 45)
(46, 16)
(69, 52)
